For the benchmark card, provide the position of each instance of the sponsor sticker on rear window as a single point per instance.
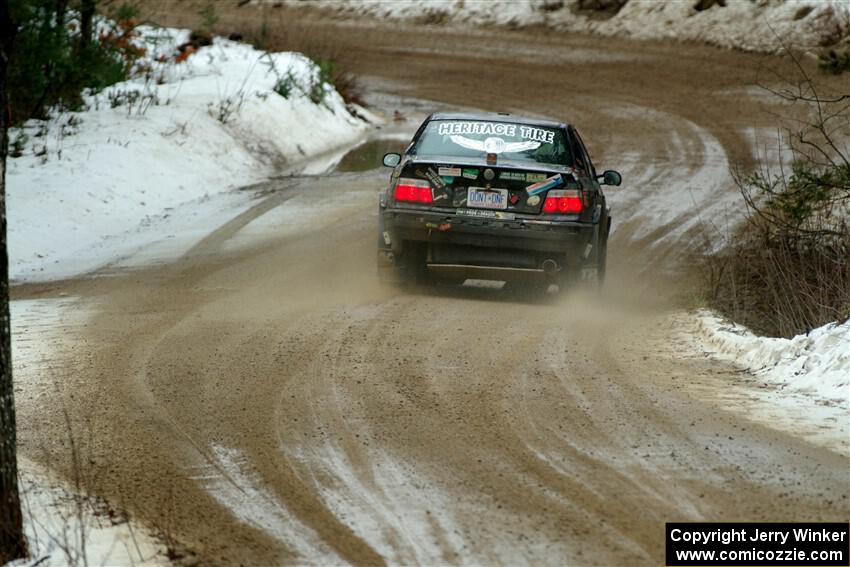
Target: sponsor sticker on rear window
(544, 185)
(514, 175)
(432, 176)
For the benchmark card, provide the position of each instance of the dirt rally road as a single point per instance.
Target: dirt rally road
(263, 401)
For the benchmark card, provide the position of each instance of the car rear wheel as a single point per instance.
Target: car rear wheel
(602, 256)
(592, 273)
(601, 263)
(412, 266)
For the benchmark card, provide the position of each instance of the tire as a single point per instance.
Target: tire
(412, 267)
(601, 264)
(592, 274)
(602, 257)
(389, 276)
(388, 272)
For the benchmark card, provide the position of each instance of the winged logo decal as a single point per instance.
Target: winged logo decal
(494, 145)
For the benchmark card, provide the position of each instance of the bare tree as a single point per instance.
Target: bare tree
(12, 542)
(61, 6)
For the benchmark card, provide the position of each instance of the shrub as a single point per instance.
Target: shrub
(326, 54)
(834, 62)
(349, 89)
(322, 77)
(787, 272)
(53, 65)
(326, 76)
(227, 106)
(18, 145)
(286, 85)
(200, 38)
(320, 81)
(135, 100)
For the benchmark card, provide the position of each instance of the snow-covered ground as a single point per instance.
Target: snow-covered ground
(756, 25)
(817, 364)
(66, 528)
(801, 385)
(145, 171)
(238, 489)
(147, 179)
(95, 186)
(63, 525)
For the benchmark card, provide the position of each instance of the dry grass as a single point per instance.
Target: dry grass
(780, 285)
(786, 272)
(276, 28)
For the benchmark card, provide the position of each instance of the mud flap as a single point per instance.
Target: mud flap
(388, 273)
(590, 274)
(408, 267)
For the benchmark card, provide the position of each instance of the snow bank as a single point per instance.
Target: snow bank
(752, 25)
(179, 133)
(817, 364)
(64, 528)
(741, 24)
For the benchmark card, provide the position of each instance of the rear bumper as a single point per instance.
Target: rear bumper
(458, 240)
(563, 236)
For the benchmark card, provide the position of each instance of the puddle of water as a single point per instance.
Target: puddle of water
(370, 154)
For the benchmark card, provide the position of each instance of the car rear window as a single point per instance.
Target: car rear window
(511, 141)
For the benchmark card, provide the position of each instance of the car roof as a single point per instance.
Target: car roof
(496, 117)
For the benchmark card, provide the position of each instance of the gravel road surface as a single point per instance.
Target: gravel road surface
(263, 400)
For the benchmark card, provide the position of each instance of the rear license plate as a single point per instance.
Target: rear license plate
(484, 214)
(487, 198)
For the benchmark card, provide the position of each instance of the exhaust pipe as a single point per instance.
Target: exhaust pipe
(550, 266)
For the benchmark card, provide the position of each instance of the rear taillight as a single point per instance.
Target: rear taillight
(413, 191)
(563, 202)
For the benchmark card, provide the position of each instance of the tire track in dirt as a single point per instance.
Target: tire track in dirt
(379, 423)
(276, 392)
